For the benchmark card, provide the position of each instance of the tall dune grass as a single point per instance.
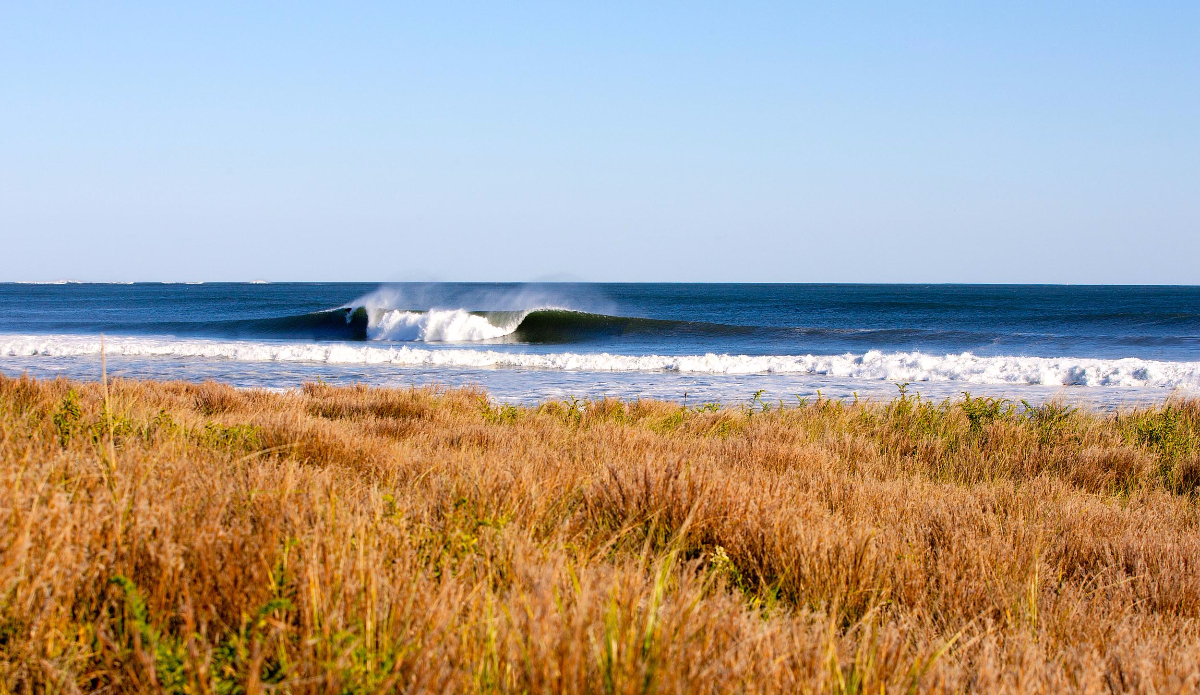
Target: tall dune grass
(196, 538)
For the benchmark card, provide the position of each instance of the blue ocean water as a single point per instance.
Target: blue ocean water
(721, 342)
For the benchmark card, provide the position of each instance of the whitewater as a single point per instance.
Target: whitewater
(871, 365)
(439, 325)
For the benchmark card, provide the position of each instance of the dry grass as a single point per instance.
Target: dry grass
(194, 538)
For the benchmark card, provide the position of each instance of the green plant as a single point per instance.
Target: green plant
(66, 417)
(500, 413)
(240, 436)
(1048, 419)
(168, 655)
(982, 411)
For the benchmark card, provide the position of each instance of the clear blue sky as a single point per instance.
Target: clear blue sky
(960, 142)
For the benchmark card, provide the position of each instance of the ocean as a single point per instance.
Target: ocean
(1100, 345)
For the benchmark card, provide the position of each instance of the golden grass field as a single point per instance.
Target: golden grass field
(197, 538)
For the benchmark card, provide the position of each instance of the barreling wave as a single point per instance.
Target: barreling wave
(545, 325)
(872, 365)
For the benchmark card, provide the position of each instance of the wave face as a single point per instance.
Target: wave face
(545, 325)
(337, 324)
(871, 365)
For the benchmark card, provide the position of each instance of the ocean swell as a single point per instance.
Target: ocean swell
(872, 365)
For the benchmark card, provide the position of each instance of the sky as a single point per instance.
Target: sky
(773, 142)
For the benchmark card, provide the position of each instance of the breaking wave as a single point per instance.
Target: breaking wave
(543, 325)
(872, 365)
(451, 326)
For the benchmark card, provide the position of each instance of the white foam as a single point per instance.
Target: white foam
(436, 325)
(873, 365)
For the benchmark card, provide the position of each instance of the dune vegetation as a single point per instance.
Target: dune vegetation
(196, 538)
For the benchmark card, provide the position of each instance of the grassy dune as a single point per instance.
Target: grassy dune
(194, 538)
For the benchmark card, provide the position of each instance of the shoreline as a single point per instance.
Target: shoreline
(522, 387)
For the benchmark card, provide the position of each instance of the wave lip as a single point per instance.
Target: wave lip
(872, 365)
